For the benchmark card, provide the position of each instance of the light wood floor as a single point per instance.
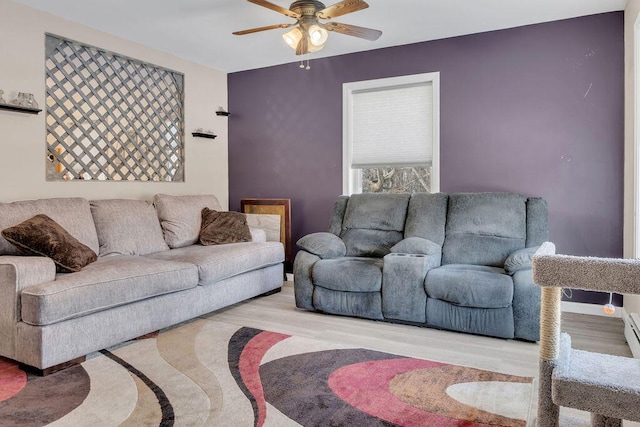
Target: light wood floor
(278, 313)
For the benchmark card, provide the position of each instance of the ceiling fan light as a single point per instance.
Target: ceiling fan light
(311, 48)
(293, 37)
(318, 35)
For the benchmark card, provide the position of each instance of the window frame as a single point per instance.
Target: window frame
(351, 178)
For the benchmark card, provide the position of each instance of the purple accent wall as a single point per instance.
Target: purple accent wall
(536, 109)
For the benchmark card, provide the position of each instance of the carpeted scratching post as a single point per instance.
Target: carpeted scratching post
(548, 412)
(607, 386)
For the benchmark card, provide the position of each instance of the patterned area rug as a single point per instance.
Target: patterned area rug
(215, 374)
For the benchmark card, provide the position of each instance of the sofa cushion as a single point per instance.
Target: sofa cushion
(379, 211)
(223, 227)
(484, 228)
(427, 216)
(470, 286)
(181, 216)
(127, 227)
(43, 236)
(373, 223)
(109, 282)
(219, 262)
(369, 243)
(73, 214)
(349, 274)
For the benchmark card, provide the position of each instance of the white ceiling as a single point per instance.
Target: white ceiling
(200, 30)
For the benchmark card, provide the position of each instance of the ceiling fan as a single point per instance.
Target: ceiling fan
(309, 33)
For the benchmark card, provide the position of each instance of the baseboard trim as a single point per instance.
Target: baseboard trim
(592, 309)
(632, 332)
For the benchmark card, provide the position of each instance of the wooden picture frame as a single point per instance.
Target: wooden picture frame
(280, 207)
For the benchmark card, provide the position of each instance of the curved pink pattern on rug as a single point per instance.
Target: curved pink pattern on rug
(348, 382)
(249, 367)
(12, 379)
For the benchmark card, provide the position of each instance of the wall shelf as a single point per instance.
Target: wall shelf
(204, 135)
(19, 108)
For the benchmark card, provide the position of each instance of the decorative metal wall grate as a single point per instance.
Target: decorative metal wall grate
(111, 118)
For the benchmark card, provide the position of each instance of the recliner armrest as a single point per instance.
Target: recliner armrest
(417, 246)
(324, 245)
(431, 251)
(522, 259)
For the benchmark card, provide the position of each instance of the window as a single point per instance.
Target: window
(635, 248)
(391, 132)
(111, 118)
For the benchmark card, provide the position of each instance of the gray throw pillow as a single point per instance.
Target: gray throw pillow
(42, 236)
(223, 227)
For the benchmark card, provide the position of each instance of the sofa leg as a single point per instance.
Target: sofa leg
(52, 369)
(153, 334)
(266, 294)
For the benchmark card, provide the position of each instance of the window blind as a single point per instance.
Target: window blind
(393, 126)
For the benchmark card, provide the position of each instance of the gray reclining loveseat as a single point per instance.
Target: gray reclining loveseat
(459, 261)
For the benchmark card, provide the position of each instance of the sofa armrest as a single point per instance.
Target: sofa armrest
(417, 246)
(324, 245)
(16, 274)
(258, 234)
(522, 259)
(403, 293)
(267, 222)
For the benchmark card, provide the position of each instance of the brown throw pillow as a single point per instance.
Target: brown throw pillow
(223, 227)
(43, 236)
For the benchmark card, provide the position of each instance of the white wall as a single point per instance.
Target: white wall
(22, 136)
(631, 13)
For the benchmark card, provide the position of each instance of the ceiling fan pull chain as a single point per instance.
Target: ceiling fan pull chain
(308, 66)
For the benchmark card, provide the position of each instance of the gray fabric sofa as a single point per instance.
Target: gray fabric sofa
(150, 274)
(452, 261)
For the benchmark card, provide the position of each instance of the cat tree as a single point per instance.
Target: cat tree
(606, 386)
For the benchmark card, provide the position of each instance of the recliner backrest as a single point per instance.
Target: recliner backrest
(484, 228)
(473, 228)
(427, 216)
(373, 223)
(537, 221)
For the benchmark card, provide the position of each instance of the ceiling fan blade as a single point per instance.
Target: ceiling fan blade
(352, 30)
(282, 10)
(303, 45)
(255, 30)
(342, 8)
